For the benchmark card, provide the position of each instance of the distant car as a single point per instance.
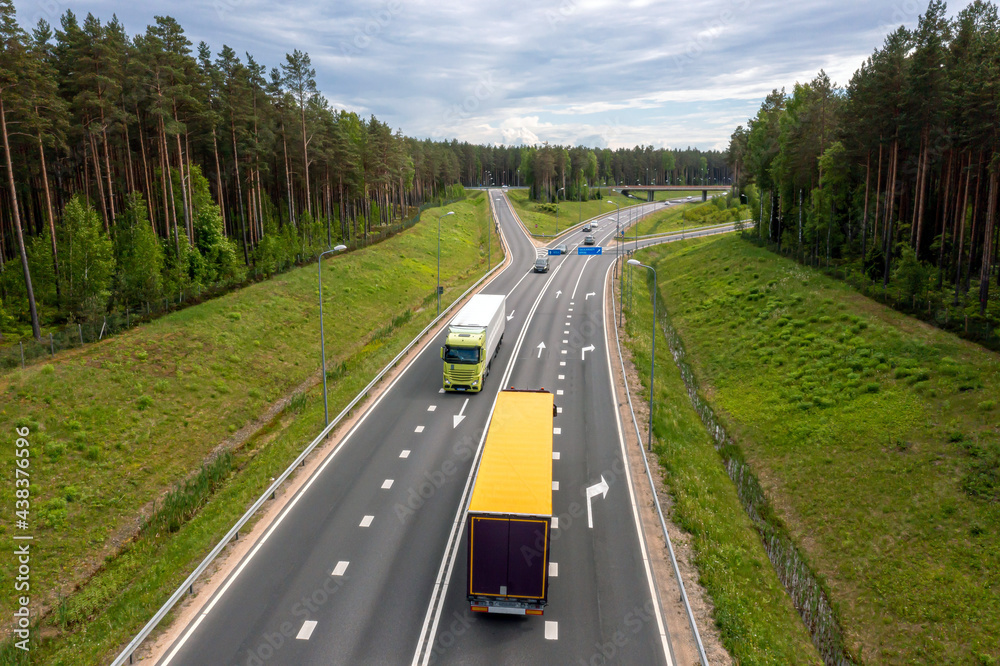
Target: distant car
(588, 227)
(562, 248)
(542, 265)
(589, 240)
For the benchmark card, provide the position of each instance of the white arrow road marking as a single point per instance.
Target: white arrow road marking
(592, 491)
(511, 315)
(458, 418)
(589, 294)
(583, 352)
(541, 346)
(557, 293)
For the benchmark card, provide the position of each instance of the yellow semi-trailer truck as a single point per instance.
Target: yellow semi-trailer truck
(474, 337)
(510, 513)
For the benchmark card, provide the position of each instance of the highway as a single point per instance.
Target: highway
(366, 564)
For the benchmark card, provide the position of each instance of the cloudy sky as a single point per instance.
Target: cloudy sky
(581, 72)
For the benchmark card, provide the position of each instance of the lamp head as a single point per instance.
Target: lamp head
(634, 262)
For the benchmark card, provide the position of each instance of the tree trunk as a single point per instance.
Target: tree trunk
(145, 171)
(50, 216)
(922, 190)
(239, 190)
(35, 328)
(100, 183)
(107, 167)
(218, 181)
(864, 216)
(984, 271)
(305, 156)
(889, 215)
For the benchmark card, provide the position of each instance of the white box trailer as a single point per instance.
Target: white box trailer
(473, 339)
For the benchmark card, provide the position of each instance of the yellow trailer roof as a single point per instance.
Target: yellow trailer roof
(515, 473)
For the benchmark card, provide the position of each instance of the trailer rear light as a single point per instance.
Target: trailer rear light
(480, 609)
(532, 611)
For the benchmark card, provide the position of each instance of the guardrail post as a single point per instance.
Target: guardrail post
(52, 345)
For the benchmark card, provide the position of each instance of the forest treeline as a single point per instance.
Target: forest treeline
(895, 174)
(139, 166)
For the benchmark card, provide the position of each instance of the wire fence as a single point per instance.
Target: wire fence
(29, 351)
(803, 586)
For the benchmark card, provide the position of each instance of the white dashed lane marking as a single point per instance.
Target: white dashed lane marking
(555, 485)
(551, 630)
(418, 429)
(553, 569)
(555, 522)
(405, 453)
(309, 625)
(340, 568)
(367, 520)
(555, 455)
(559, 391)
(557, 431)
(387, 484)
(431, 408)
(562, 376)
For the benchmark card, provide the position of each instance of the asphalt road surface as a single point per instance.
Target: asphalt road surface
(366, 565)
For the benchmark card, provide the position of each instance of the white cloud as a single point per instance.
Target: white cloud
(597, 72)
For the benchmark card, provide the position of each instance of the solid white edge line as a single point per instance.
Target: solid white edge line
(448, 561)
(653, 591)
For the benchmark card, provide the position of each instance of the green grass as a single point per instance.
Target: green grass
(112, 431)
(756, 618)
(867, 431)
(539, 220)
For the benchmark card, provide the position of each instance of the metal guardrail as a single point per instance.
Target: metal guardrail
(681, 232)
(188, 584)
(656, 499)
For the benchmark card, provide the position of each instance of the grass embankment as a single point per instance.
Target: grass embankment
(540, 218)
(116, 425)
(874, 435)
(756, 618)
(690, 215)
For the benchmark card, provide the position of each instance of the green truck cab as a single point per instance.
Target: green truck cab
(472, 342)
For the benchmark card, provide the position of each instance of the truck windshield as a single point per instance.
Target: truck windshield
(461, 354)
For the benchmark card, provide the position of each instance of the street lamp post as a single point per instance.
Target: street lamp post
(322, 339)
(450, 212)
(652, 361)
(557, 208)
(618, 217)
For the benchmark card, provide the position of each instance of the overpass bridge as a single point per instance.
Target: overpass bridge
(651, 189)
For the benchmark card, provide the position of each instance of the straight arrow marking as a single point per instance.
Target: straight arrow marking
(541, 346)
(593, 491)
(558, 293)
(461, 414)
(584, 351)
(511, 315)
